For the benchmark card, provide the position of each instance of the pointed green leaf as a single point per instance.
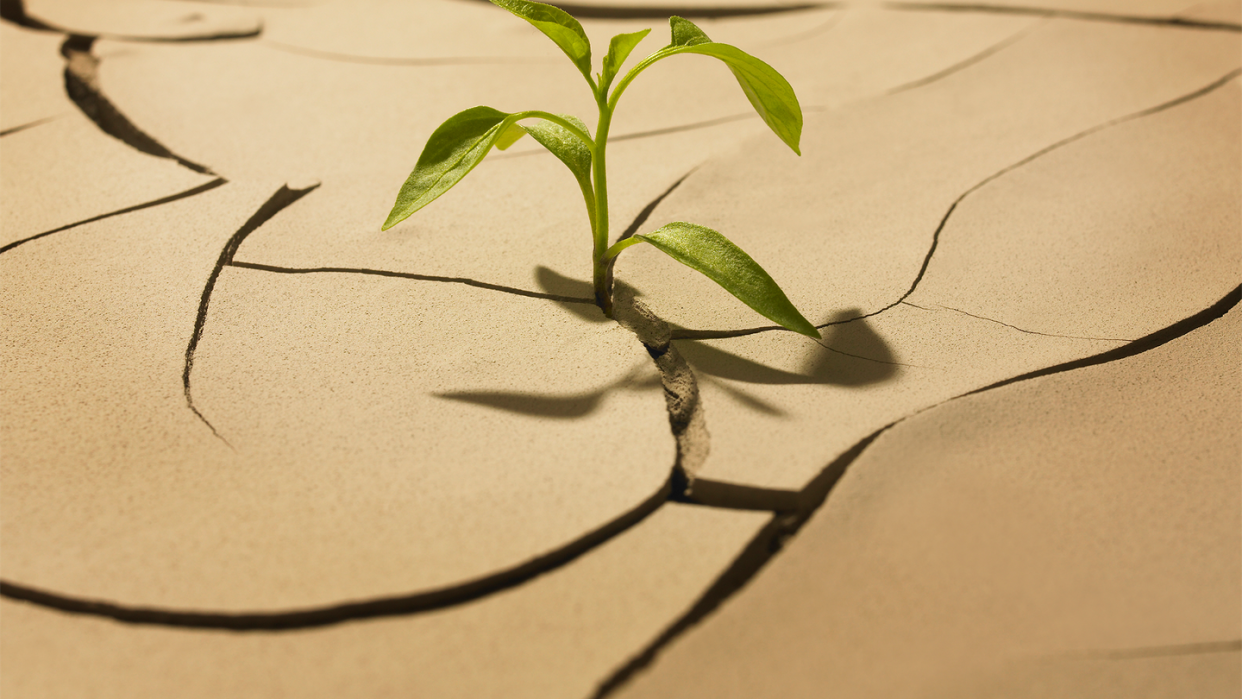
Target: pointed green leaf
(450, 154)
(768, 91)
(564, 145)
(569, 149)
(726, 264)
(511, 134)
(686, 33)
(618, 50)
(559, 26)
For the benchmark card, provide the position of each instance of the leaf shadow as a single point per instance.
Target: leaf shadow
(852, 354)
(555, 407)
(557, 284)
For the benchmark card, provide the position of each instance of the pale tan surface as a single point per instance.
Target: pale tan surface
(146, 19)
(31, 88)
(982, 547)
(315, 513)
(41, 166)
(964, 554)
(553, 638)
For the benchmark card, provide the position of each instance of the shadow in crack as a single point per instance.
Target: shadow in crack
(556, 407)
(559, 285)
(851, 354)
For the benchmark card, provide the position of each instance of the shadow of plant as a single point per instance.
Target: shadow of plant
(553, 282)
(852, 354)
(556, 407)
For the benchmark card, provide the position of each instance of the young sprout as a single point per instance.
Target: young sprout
(461, 143)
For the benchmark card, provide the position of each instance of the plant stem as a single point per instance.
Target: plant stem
(603, 292)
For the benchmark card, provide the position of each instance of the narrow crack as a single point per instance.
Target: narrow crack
(82, 86)
(816, 31)
(416, 277)
(1021, 330)
(690, 334)
(137, 207)
(1173, 650)
(1063, 14)
(685, 418)
(399, 61)
(351, 611)
(772, 538)
(638, 221)
(27, 125)
(283, 198)
(641, 218)
(830, 348)
(962, 65)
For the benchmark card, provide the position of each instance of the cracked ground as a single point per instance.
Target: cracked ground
(252, 446)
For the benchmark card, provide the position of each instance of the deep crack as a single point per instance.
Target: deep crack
(274, 205)
(14, 12)
(82, 86)
(784, 525)
(351, 611)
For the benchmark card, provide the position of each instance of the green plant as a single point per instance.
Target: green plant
(461, 142)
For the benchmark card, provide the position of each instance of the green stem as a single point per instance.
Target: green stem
(612, 252)
(599, 168)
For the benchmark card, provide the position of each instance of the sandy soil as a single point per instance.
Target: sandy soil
(250, 445)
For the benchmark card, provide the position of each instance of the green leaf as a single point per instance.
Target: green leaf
(564, 145)
(559, 26)
(569, 149)
(618, 50)
(726, 264)
(768, 91)
(686, 33)
(451, 153)
(512, 133)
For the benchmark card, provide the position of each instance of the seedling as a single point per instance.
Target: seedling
(461, 143)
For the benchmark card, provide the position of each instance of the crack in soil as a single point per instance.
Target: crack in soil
(966, 63)
(283, 198)
(28, 125)
(351, 611)
(1014, 327)
(82, 86)
(398, 61)
(1203, 648)
(194, 191)
(689, 334)
(412, 276)
(1176, 22)
(785, 524)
